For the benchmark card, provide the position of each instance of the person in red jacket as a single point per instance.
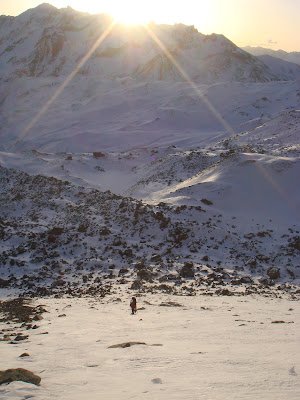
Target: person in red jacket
(133, 305)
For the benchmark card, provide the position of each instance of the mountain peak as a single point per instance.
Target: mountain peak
(30, 49)
(45, 6)
(40, 10)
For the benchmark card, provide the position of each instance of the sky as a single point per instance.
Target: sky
(267, 23)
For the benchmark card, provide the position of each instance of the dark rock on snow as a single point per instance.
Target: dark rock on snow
(19, 374)
(273, 272)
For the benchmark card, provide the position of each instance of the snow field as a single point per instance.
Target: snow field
(212, 348)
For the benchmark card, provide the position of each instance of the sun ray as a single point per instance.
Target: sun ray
(184, 74)
(65, 83)
(210, 106)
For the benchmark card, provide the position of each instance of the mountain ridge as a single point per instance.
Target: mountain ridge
(46, 41)
(293, 56)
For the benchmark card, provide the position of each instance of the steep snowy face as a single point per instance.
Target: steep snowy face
(46, 41)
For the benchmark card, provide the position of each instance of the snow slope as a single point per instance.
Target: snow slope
(97, 114)
(207, 348)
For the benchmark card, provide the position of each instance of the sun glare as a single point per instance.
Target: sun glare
(193, 12)
(130, 13)
(127, 12)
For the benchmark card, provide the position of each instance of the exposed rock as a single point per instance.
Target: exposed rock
(145, 274)
(98, 154)
(73, 264)
(20, 337)
(295, 243)
(37, 318)
(224, 292)
(207, 202)
(125, 344)
(187, 271)
(137, 284)
(56, 231)
(170, 304)
(123, 271)
(19, 374)
(18, 310)
(156, 381)
(155, 257)
(243, 279)
(165, 288)
(266, 281)
(4, 283)
(273, 273)
(24, 355)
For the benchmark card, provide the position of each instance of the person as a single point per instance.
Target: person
(133, 305)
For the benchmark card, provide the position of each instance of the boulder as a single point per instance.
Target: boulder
(224, 292)
(56, 231)
(4, 283)
(37, 317)
(136, 284)
(24, 355)
(126, 344)
(19, 374)
(187, 271)
(273, 272)
(145, 274)
(157, 381)
(20, 337)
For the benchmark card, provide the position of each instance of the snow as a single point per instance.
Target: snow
(215, 161)
(249, 185)
(212, 347)
(286, 70)
(293, 57)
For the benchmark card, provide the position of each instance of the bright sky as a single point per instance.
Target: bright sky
(268, 23)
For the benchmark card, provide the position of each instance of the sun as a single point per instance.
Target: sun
(190, 12)
(129, 18)
(130, 12)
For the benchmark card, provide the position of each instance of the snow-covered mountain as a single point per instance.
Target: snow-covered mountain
(46, 41)
(293, 57)
(175, 173)
(284, 69)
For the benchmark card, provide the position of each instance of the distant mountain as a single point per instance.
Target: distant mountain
(284, 69)
(293, 56)
(46, 41)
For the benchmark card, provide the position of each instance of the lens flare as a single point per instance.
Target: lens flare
(65, 83)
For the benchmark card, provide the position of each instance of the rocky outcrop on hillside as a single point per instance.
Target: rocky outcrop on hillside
(59, 238)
